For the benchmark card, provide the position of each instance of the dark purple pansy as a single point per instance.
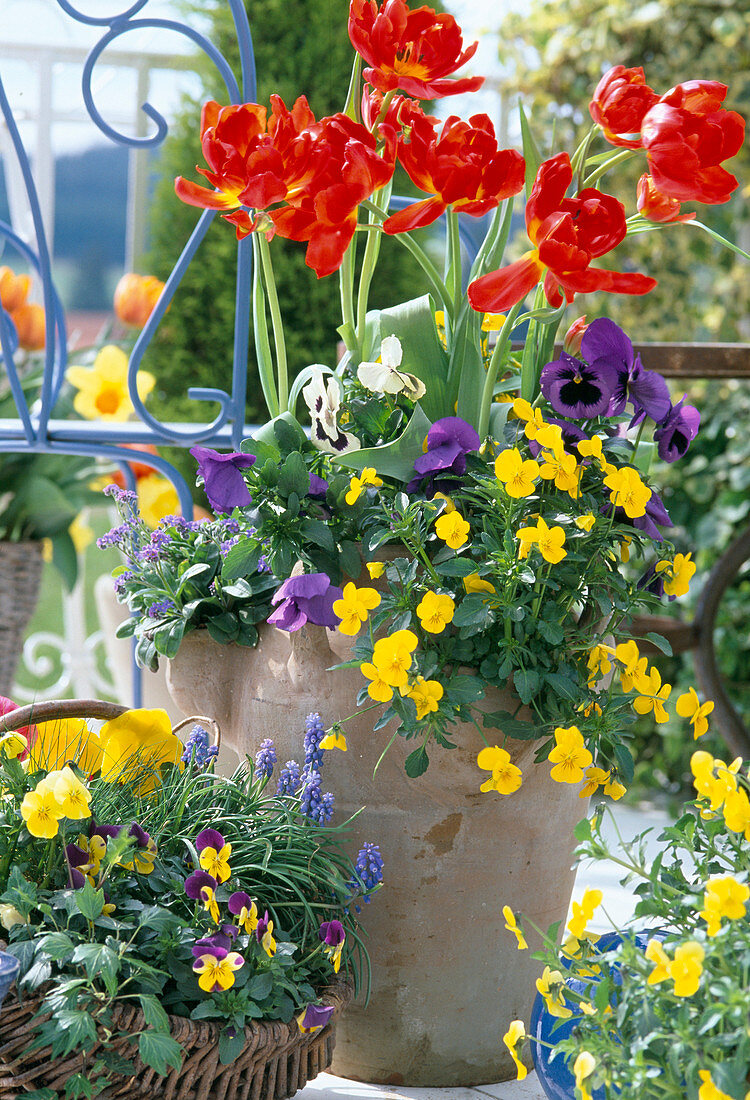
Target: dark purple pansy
(238, 901)
(448, 442)
(318, 487)
(140, 835)
(604, 342)
(76, 858)
(262, 927)
(677, 431)
(305, 599)
(106, 832)
(655, 513)
(196, 882)
(653, 582)
(209, 838)
(332, 932)
(222, 478)
(211, 945)
(576, 389)
(316, 1016)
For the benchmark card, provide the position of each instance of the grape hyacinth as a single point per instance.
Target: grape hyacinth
(315, 805)
(288, 778)
(265, 759)
(369, 867)
(197, 749)
(314, 734)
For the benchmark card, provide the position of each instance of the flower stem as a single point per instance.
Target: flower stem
(437, 285)
(276, 322)
(372, 250)
(453, 258)
(613, 162)
(346, 287)
(260, 334)
(498, 354)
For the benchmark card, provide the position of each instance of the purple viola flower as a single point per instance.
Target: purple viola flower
(604, 342)
(222, 477)
(238, 901)
(76, 857)
(656, 513)
(305, 599)
(211, 945)
(653, 582)
(677, 431)
(332, 933)
(209, 838)
(318, 487)
(198, 881)
(576, 389)
(215, 950)
(106, 832)
(314, 1017)
(140, 835)
(448, 442)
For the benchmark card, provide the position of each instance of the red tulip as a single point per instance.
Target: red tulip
(135, 297)
(657, 207)
(568, 233)
(686, 135)
(400, 115)
(621, 99)
(461, 167)
(412, 50)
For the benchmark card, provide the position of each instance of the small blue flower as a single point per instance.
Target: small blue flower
(265, 759)
(288, 778)
(197, 749)
(314, 734)
(157, 610)
(313, 803)
(369, 868)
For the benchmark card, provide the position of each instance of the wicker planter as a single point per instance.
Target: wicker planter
(278, 1058)
(20, 575)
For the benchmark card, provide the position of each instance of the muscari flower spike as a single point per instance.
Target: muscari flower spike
(265, 759)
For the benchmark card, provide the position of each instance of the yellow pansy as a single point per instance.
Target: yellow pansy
(585, 522)
(570, 755)
(475, 583)
(583, 1067)
(65, 739)
(506, 777)
(599, 662)
(677, 574)
(652, 696)
(628, 491)
(590, 448)
(357, 484)
(217, 974)
(724, 897)
(689, 706)
(452, 528)
(709, 1091)
(614, 789)
(9, 916)
(551, 985)
(135, 746)
(13, 744)
(103, 389)
(378, 689)
(435, 611)
(392, 657)
(549, 540)
(737, 812)
(426, 695)
(354, 607)
(157, 498)
(686, 968)
(561, 468)
(375, 569)
(334, 740)
(517, 474)
(72, 795)
(656, 954)
(41, 811)
(595, 778)
(512, 926)
(216, 862)
(583, 911)
(514, 1038)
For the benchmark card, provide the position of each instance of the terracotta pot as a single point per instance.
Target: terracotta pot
(447, 976)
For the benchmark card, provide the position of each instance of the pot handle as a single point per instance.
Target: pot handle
(51, 709)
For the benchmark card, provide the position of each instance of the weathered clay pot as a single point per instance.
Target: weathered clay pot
(447, 976)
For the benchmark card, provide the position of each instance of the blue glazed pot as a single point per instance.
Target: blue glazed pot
(9, 967)
(555, 1078)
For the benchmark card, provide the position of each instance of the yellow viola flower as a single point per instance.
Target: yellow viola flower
(585, 522)
(452, 528)
(561, 468)
(440, 326)
(493, 322)
(217, 974)
(475, 583)
(614, 789)
(583, 911)
(570, 755)
(512, 926)
(334, 740)
(216, 862)
(725, 897)
(435, 611)
(13, 744)
(427, 695)
(357, 484)
(65, 739)
(103, 388)
(656, 954)
(677, 574)
(517, 474)
(652, 696)
(514, 1038)
(709, 1091)
(210, 904)
(81, 534)
(267, 942)
(378, 689)
(686, 968)
(449, 505)
(599, 662)
(628, 491)
(737, 812)
(548, 436)
(506, 777)
(157, 498)
(375, 569)
(135, 746)
(551, 985)
(550, 541)
(354, 607)
(590, 448)
(392, 657)
(523, 409)
(41, 811)
(71, 794)
(689, 706)
(583, 1067)
(595, 778)
(9, 916)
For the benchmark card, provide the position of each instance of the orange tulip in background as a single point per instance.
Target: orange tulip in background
(28, 317)
(135, 298)
(657, 207)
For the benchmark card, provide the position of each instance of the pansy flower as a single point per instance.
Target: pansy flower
(222, 478)
(209, 944)
(242, 906)
(323, 401)
(333, 936)
(386, 375)
(604, 342)
(314, 1017)
(677, 431)
(217, 968)
(214, 853)
(305, 599)
(577, 389)
(449, 440)
(264, 935)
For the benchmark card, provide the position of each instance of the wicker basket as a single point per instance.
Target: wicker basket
(278, 1059)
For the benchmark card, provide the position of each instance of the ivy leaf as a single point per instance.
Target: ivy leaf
(89, 901)
(159, 1051)
(153, 1012)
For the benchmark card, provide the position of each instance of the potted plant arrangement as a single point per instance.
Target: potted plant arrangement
(175, 929)
(449, 560)
(659, 1012)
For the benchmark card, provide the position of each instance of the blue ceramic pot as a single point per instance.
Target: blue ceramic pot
(555, 1078)
(9, 967)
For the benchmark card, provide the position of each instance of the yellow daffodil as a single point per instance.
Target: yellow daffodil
(65, 739)
(375, 569)
(551, 985)
(215, 973)
(475, 583)
(686, 968)
(354, 607)
(570, 755)
(689, 706)
(41, 812)
(216, 862)
(514, 1038)
(628, 491)
(583, 911)
(427, 695)
(585, 522)
(517, 474)
(677, 574)
(709, 1091)
(652, 696)
(583, 1067)
(357, 484)
(72, 795)
(452, 528)
(157, 498)
(334, 740)
(506, 777)
(512, 926)
(435, 611)
(103, 389)
(656, 954)
(724, 897)
(135, 747)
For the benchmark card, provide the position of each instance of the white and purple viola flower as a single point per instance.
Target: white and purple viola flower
(323, 401)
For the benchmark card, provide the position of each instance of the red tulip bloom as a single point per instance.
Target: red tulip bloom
(461, 167)
(657, 207)
(401, 113)
(686, 135)
(412, 50)
(621, 99)
(568, 233)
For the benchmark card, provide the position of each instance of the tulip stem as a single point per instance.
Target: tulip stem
(260, 335)
(437, 285)
(618, 158)
(369, 262)
(498, 355)
(282, 381)
(346, 288)
(453, 245)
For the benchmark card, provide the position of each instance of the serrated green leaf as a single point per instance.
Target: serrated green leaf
(153, 1012)
(159, 1051)
(89, 901)
(527, 683)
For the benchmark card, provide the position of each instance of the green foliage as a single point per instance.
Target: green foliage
(301, 47)
(555, 52)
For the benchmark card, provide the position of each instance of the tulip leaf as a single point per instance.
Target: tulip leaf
(531, 153)
(396, 459)
(423, 355)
